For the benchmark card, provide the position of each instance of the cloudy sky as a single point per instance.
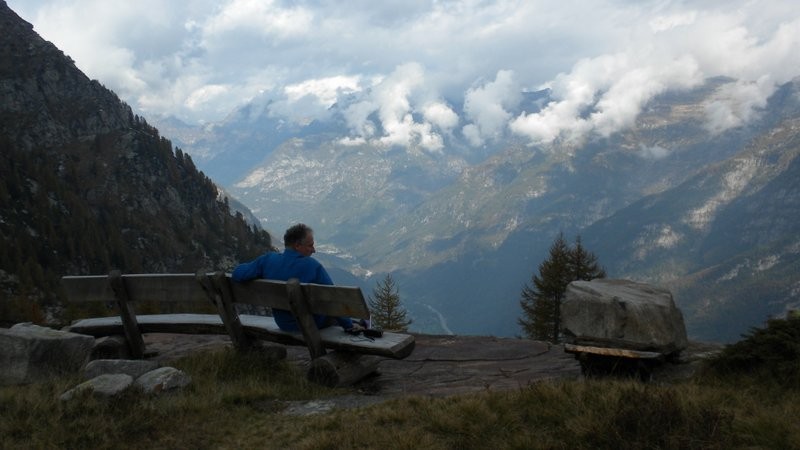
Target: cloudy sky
(413, 64)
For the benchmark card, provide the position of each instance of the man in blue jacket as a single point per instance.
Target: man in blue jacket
(294, 262)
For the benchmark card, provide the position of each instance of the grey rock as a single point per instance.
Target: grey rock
(311, 408)
(622, 314)
(134, 368)
(107, 385)
(110, 347)
(31, 353)
(163, 379)
(314, 407)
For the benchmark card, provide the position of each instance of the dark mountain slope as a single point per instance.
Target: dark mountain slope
(726, 240)
(86, 186)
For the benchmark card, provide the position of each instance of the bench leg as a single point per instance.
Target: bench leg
(219, 292)
(305, 320)
(129, 323)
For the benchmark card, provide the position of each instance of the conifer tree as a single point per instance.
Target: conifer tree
(385, 307)
(541, 301)
(583, 263)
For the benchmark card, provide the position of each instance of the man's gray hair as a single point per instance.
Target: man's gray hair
(295, 234)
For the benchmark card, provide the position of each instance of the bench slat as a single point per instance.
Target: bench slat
(341, 301)
(261, 292)
(90, 288)
(606, 351)
(390, 345)
(172, 287)
(337, 301)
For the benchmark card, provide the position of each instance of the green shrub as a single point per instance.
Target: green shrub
(772, 353)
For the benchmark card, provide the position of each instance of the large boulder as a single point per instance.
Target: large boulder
(31, 353)
(622, 314)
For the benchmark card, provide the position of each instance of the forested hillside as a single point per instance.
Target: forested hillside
(86, 186)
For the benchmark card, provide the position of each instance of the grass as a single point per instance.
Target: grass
(236, 401)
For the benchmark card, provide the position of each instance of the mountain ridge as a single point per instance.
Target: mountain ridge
(86, 186)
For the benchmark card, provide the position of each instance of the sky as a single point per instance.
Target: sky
(422, 70)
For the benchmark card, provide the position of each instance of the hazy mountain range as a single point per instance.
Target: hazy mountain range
(711, 215)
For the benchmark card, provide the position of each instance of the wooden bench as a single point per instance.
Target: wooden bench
(615, 361)
(356, 355)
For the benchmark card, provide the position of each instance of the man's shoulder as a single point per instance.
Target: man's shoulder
(309, 261)
(270, 259)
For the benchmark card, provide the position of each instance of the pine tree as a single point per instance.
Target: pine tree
(385, 307)
(541, 302)
(583, 263)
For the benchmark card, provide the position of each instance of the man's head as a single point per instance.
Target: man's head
(300, 238)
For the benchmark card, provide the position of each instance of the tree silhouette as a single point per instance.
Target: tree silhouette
(385, 307)
(541, 300)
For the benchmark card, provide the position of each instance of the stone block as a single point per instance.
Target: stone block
(162, 379)
(110, 347)
(30, 353)
(622, 314)
(107, 385)
(133, 367)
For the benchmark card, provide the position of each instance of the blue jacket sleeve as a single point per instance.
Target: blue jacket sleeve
(345, 322)
(248, 271)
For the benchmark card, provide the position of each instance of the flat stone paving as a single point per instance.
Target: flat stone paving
(447, 365)
(439, 365)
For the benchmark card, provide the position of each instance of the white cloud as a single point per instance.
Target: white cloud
(327, 90)
(670, 21)
(473, 134)
(653, 152)
(309, 99)
(487, 106)
(262, 17)
(605, 94)
(603, 60)
(734, 104)
(619, 106)
(393, 100)
(205, 94)
(440, 115)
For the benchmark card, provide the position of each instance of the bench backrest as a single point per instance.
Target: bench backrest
(140, 287)
(340, 301)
